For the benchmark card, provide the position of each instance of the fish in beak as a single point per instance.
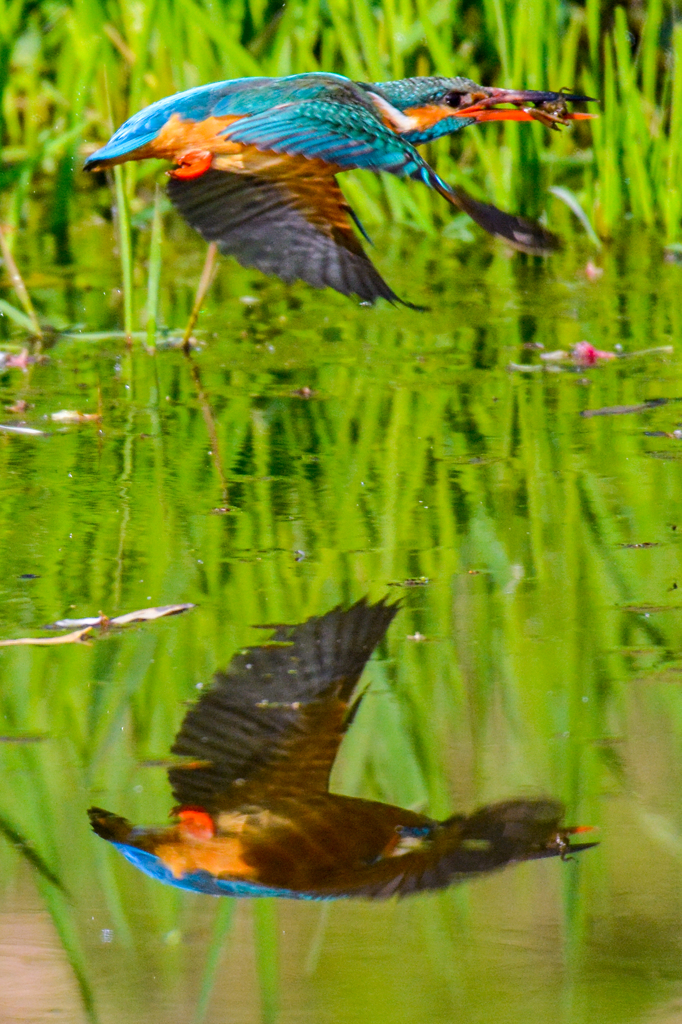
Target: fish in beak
(526, 105)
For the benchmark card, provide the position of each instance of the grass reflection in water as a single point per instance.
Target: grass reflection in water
(384, 446)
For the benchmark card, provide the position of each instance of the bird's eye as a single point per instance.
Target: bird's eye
(454, 99)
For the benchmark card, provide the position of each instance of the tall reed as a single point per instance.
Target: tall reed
(54, 106)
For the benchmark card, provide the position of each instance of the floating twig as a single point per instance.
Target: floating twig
(103, 621)
(48, 641)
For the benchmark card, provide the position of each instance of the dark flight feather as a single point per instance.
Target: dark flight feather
(270, 225)
(279, 707)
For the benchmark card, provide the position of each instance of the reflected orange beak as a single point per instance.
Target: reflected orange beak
(578, 847)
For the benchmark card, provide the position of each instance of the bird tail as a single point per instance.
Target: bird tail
(109, 826)
(525, 235)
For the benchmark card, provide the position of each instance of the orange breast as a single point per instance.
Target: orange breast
(179, 136)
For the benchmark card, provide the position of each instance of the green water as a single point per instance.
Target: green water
(307, 453)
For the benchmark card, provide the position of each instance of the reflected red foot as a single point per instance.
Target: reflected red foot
(195, 823)
(192, 165)
(585, 354)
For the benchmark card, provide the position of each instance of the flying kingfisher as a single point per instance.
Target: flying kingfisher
(255, 816)
(256, 159)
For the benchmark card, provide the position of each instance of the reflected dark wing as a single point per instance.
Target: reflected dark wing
(278, 714)
(463, 847)
(524, 235)
(296, 227)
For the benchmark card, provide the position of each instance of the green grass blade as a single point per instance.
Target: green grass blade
(15, 314)
(265, 916)
(221, 929)
(125, 250)
(154, 270)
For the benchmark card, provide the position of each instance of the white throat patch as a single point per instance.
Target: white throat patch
(401, 122)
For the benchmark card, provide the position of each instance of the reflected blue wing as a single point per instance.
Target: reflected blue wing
(201, 881)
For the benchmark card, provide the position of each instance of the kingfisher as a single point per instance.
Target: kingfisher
(256, 163)
(254, 814)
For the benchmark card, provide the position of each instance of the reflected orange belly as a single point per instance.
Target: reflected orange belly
(221, 856)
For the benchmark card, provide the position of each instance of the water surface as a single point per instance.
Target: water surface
(307, 453)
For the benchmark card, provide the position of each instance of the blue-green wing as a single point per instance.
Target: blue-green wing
(334, 130)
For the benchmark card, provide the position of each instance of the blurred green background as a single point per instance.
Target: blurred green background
(71, 72)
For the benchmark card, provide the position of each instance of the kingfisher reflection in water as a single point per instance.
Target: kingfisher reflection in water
(255, 816)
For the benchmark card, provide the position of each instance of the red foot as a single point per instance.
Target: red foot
(196, 823)
(192, 165)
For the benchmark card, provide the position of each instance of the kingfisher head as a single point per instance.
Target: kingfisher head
(422, 109)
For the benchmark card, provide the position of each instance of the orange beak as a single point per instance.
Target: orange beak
(529, 104)
(527, 114)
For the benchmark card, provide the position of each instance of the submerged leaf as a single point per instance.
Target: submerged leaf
(524, 367)
(73, 416)
(646, 609)
(26, 737)
(618, 410)
(149, 614)
(6, 309)
(18, 428)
